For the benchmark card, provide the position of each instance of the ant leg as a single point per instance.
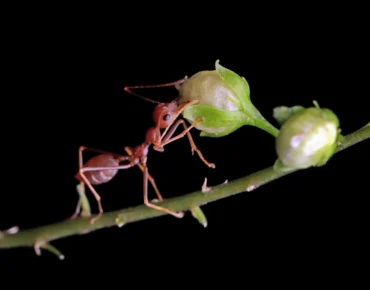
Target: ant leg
(77, 211)
(80, 164)
(146, 201)
(182, 134)
(167, 139)
(180, 109)
(80, 161)
(84, 148)
(96, 195)
(175, 83)
(151, 179)
(129, 89)
(82, 203)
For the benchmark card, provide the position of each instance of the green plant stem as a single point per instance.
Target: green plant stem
(259, 121)
(268, 127)
(355, 137)
(81, 225)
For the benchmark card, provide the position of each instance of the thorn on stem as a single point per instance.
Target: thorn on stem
(13, 230)
(205, 188)
(10, 231)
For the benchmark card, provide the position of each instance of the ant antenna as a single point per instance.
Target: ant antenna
(128, 89)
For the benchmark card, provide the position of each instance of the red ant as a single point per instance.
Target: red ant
(103, 167)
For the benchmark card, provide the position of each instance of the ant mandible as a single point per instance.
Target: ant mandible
(103, 167)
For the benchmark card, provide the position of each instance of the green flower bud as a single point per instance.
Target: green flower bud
(307, 137)
(223, 102)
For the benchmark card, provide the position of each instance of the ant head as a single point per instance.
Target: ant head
(165, 113)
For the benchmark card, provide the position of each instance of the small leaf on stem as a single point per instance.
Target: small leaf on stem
(199, 215)
(85, 206)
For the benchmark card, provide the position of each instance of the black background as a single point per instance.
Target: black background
(64, 88)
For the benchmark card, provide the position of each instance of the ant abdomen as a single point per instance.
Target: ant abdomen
(101, 176)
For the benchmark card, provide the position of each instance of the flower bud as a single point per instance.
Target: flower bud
(307, 137)
(223, 103)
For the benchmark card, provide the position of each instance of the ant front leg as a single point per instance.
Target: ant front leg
(167, 139)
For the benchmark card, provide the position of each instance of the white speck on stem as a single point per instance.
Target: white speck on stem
(120, 221)
(251, 187)
(13, 230)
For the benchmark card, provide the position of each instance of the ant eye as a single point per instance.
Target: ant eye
(166, 117)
